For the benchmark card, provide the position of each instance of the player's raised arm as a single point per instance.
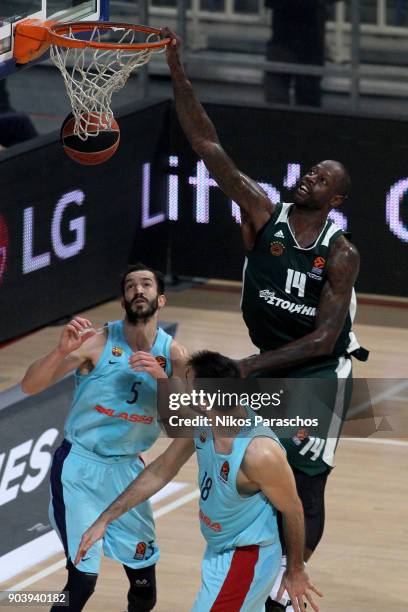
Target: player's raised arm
(153, 478)
(201, 133)
(342, 270)
(265, 464)
(74, 347)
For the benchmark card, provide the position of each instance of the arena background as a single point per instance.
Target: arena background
(71, 229)
(66, 232)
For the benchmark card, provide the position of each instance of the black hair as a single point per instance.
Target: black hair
(209, 364)
(137, 267)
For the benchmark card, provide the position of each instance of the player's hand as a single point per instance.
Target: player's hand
(246, 365)
(302, 434)
(95, 532)
(173, 48)
(243, 367)
(74, 335)
(299, 588)
(146, 362)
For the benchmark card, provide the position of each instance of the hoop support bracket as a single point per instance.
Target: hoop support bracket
(31, 40)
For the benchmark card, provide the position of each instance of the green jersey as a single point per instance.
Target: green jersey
(283, 283)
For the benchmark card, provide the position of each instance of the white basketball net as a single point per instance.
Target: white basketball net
(92, 75)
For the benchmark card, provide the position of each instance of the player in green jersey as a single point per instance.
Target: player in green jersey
(298, 299)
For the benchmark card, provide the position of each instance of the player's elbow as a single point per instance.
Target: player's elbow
(293, 508)
(31, 386)
(198, 146)
(28, 387)
(173, 473)
(163, 470)
(204, 146)
(324, 344)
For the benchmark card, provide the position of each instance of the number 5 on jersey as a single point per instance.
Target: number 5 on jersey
(295, 280)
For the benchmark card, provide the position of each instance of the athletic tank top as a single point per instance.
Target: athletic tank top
(114, 409)
(227, 518)
(283, 283)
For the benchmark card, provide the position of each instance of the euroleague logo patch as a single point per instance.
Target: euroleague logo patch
(224, 472)
(318, 267)
(162, 361)
(276, 248)
(4, 241)
(117, 351)
(140, 551)
(319, 262)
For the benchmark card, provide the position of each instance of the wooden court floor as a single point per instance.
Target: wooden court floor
(361, 564)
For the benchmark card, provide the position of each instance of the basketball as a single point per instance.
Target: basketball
(98, 147)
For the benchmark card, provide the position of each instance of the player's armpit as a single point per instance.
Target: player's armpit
(248, 231)
(85, 356)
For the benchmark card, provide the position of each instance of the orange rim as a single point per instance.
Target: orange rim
(34, 37)
(57, 35)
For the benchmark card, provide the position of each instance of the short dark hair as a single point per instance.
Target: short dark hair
(137, 267)
(209, 364)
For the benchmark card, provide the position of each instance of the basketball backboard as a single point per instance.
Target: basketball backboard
(14, 11)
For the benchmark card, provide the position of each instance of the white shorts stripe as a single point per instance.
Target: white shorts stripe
(343, 371)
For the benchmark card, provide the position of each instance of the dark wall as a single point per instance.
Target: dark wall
(67, 231)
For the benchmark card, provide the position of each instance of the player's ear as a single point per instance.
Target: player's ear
(162, 300)
(337, 201)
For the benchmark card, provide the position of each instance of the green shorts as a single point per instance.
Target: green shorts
(322, 390)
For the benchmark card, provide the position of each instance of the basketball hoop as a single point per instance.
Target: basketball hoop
(92, 69)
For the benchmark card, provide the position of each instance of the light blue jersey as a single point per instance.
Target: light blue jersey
(114, 410)
(228, 519)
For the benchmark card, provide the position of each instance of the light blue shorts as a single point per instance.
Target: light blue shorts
(237, 580)
(82, 486)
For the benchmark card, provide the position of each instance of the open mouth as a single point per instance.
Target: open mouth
(303, 189)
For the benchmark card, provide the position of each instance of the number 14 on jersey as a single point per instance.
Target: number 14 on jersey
(295, 280)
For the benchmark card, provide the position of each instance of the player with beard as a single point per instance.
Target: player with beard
(298, 300)
(112, 420)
